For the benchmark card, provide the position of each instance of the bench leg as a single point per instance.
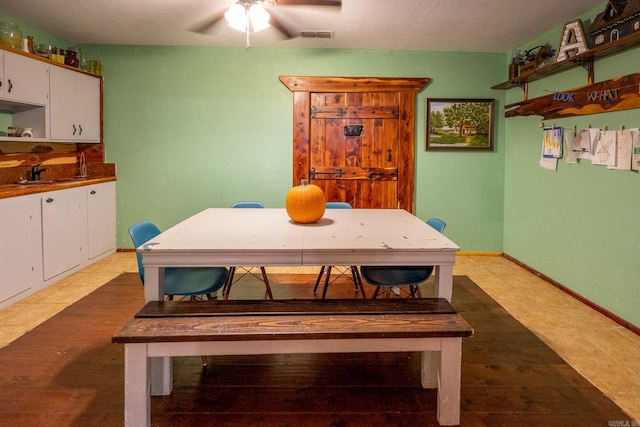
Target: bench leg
(448, 412)
(137, 386)
(161, 376)
(430, 369)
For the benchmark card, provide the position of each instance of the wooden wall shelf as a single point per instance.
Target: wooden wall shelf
(585, 59)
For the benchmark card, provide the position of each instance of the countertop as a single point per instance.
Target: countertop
(15, 190)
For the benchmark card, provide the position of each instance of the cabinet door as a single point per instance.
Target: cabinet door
(101, 217)
(20, 250)
(88, 107)
(63, 106)
(25, 80)
(74, 106)
(63, 228)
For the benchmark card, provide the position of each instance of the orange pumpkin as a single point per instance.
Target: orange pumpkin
(305, 203)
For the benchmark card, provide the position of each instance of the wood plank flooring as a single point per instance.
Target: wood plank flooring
(66, 373)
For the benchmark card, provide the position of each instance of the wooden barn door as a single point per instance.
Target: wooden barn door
(355, 138)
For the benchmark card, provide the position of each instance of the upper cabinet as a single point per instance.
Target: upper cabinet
(23, 79)
(24, 93)
(59, 103)
(74, 106)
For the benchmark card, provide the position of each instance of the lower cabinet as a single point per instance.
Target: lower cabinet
(48, 236)
(20, 251)
(101, 218)
(63, 226)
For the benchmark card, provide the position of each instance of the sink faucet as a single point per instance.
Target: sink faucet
(35, 172)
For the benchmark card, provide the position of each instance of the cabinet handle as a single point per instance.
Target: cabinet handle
(49, 200)
(10, 85)
(0, 83)
(93, 192)
(74, 129)
(80, 127)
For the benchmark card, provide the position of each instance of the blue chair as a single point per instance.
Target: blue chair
(392, 278)
(179, 281)
(245, 270)
(342, 270)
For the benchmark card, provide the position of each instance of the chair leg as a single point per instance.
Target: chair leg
(315, 288)
(204, 361)
(326, 282)
(357, 281)
(354, 274)
(376, 292)
(415, 291)
(226, 289)
(266, 282)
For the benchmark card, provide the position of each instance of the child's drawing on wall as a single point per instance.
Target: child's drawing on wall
(635, 160)
(552, 142)
(604, 152)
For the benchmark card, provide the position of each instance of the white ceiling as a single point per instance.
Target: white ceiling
(441, 25)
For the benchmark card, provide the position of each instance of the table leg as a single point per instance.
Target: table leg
(137, 400)
(444, 281)
(153, 283)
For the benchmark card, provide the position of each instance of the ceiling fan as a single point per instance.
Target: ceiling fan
(245, 15)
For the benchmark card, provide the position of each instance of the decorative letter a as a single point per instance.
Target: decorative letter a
(572, 42)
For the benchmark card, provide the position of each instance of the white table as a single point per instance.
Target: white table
(267, 237)
(226, 237)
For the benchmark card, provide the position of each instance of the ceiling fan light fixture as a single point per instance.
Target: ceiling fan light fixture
(259, 17)
(241, 14)
(236, 17)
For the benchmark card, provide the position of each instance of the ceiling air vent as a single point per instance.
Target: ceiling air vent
(316, 34)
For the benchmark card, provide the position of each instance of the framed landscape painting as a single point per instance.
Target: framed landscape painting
(459, 124)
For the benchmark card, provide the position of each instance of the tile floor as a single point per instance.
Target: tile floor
(600, 349)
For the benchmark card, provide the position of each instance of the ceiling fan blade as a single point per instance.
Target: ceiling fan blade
(205, 25)
(309, 2)
(285, 30)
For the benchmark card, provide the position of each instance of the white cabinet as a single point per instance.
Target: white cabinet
(24, 93)
(45, 237)
(20, 249)
(74, 106)
(24, 80)
(60, 104)
(63, 228)
(101, 218)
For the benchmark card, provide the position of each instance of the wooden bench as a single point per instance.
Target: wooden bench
(191, 328)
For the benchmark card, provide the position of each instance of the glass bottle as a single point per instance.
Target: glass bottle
(10, 35)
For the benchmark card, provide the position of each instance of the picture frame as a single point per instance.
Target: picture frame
(463, 124)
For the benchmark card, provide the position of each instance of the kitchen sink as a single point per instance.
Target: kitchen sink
(40, 182)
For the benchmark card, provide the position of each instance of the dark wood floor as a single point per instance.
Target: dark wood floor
(67, 373)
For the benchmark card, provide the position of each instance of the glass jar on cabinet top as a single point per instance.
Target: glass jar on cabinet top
(10, 35)
(71, 58)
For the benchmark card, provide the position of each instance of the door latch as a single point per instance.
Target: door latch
(313, 172)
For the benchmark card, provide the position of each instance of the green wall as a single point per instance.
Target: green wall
(191, 128)
(577, 224)
(196, 127)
